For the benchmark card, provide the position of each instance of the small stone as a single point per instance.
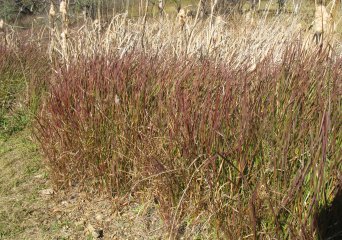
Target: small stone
(98, 233)
(99, 217)
(90, 228)
(81, 222)
(48, 191)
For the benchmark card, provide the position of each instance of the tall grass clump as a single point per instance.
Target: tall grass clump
(248, 152)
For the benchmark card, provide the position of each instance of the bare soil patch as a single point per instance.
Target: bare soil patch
(31, 209)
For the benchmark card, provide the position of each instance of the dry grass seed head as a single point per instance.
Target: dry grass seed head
(52, 11)
(1, 24)
(181, 17)
(62, 7)
(323, 21)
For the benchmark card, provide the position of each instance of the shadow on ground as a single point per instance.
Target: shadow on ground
(329, 219)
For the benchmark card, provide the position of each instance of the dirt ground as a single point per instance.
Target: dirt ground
(31, 209)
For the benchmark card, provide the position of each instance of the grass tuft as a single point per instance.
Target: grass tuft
(253, 150)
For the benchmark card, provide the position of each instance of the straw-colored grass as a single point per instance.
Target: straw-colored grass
(230, 40)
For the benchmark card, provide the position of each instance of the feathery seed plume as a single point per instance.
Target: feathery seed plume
(1, 24)
(52, 11)
(62, 7)
(181, 17)
(323, 20)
